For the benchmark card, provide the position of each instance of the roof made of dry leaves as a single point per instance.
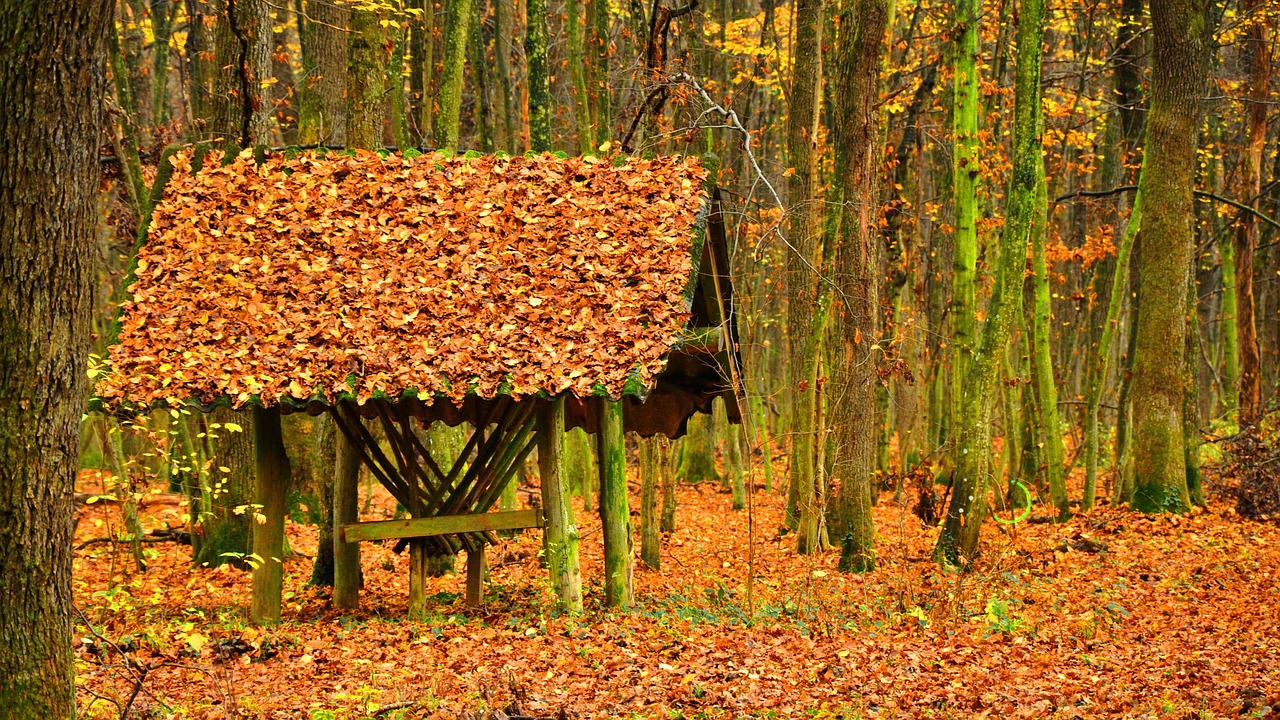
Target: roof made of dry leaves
(310, 277)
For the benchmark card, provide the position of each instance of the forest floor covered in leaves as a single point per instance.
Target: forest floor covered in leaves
(1111, 614)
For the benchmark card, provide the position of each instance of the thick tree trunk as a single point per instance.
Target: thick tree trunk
(368, 57)
(855, 74)
(1178, 80)
(51, 88)
(240, 111)
(322, 109)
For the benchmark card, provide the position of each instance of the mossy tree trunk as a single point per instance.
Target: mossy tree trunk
(535, 52)
(598, 76)
(368, 57)
(51, 89)
(958, 543)
(855, 74)
(804, 261)
(578, 75)
(1179, 73)
(1258, 54)
(1054, 455)
(457, 29)
(322, 107)
(503, 36)
(965, 171)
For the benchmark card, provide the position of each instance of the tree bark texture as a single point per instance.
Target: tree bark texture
(322, 116)
(1178, 80)
(368, 56)
(804, 259)
(855, 75)
(535, 52)
(561, 532)
(51, 87)
(456, 32)
(1258, 53)
(958, 543)
(268, 531)
(240, 111)
(615, 512)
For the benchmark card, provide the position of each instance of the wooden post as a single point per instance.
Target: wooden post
(559, 532)
(475, 576)
(615, 512)
(268, 535)
(346, 487)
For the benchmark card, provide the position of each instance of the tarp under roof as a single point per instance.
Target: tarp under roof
(298, 279)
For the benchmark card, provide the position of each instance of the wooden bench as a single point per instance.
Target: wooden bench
(448, 525)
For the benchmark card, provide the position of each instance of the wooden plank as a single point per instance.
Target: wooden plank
(443, 525)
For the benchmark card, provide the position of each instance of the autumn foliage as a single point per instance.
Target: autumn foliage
(308, 277)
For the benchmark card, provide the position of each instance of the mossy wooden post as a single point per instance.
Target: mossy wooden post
(560, 531)
(650, 470)
(268, 532)
(346, 489)
(615, 512)
(697, 451)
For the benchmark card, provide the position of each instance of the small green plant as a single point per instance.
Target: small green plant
(1000, 619)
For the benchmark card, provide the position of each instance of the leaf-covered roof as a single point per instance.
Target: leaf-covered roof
(312, 277)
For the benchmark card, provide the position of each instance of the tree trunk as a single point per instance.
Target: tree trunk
(51, 88)
(368, 57)
(1042, 361)
(535, 52)
(965, 172)
(223, 530)
(856, 139)
(322, 109)
(325, 452)
(1258, 53)
(240, 112)
(577, 73)
(457, 28)
(503, 35)
(1178, 79)
(958, 543)
(804, 258)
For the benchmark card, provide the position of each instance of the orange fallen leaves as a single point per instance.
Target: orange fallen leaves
(285, 279)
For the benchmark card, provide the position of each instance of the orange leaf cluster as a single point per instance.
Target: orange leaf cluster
(452, 275)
